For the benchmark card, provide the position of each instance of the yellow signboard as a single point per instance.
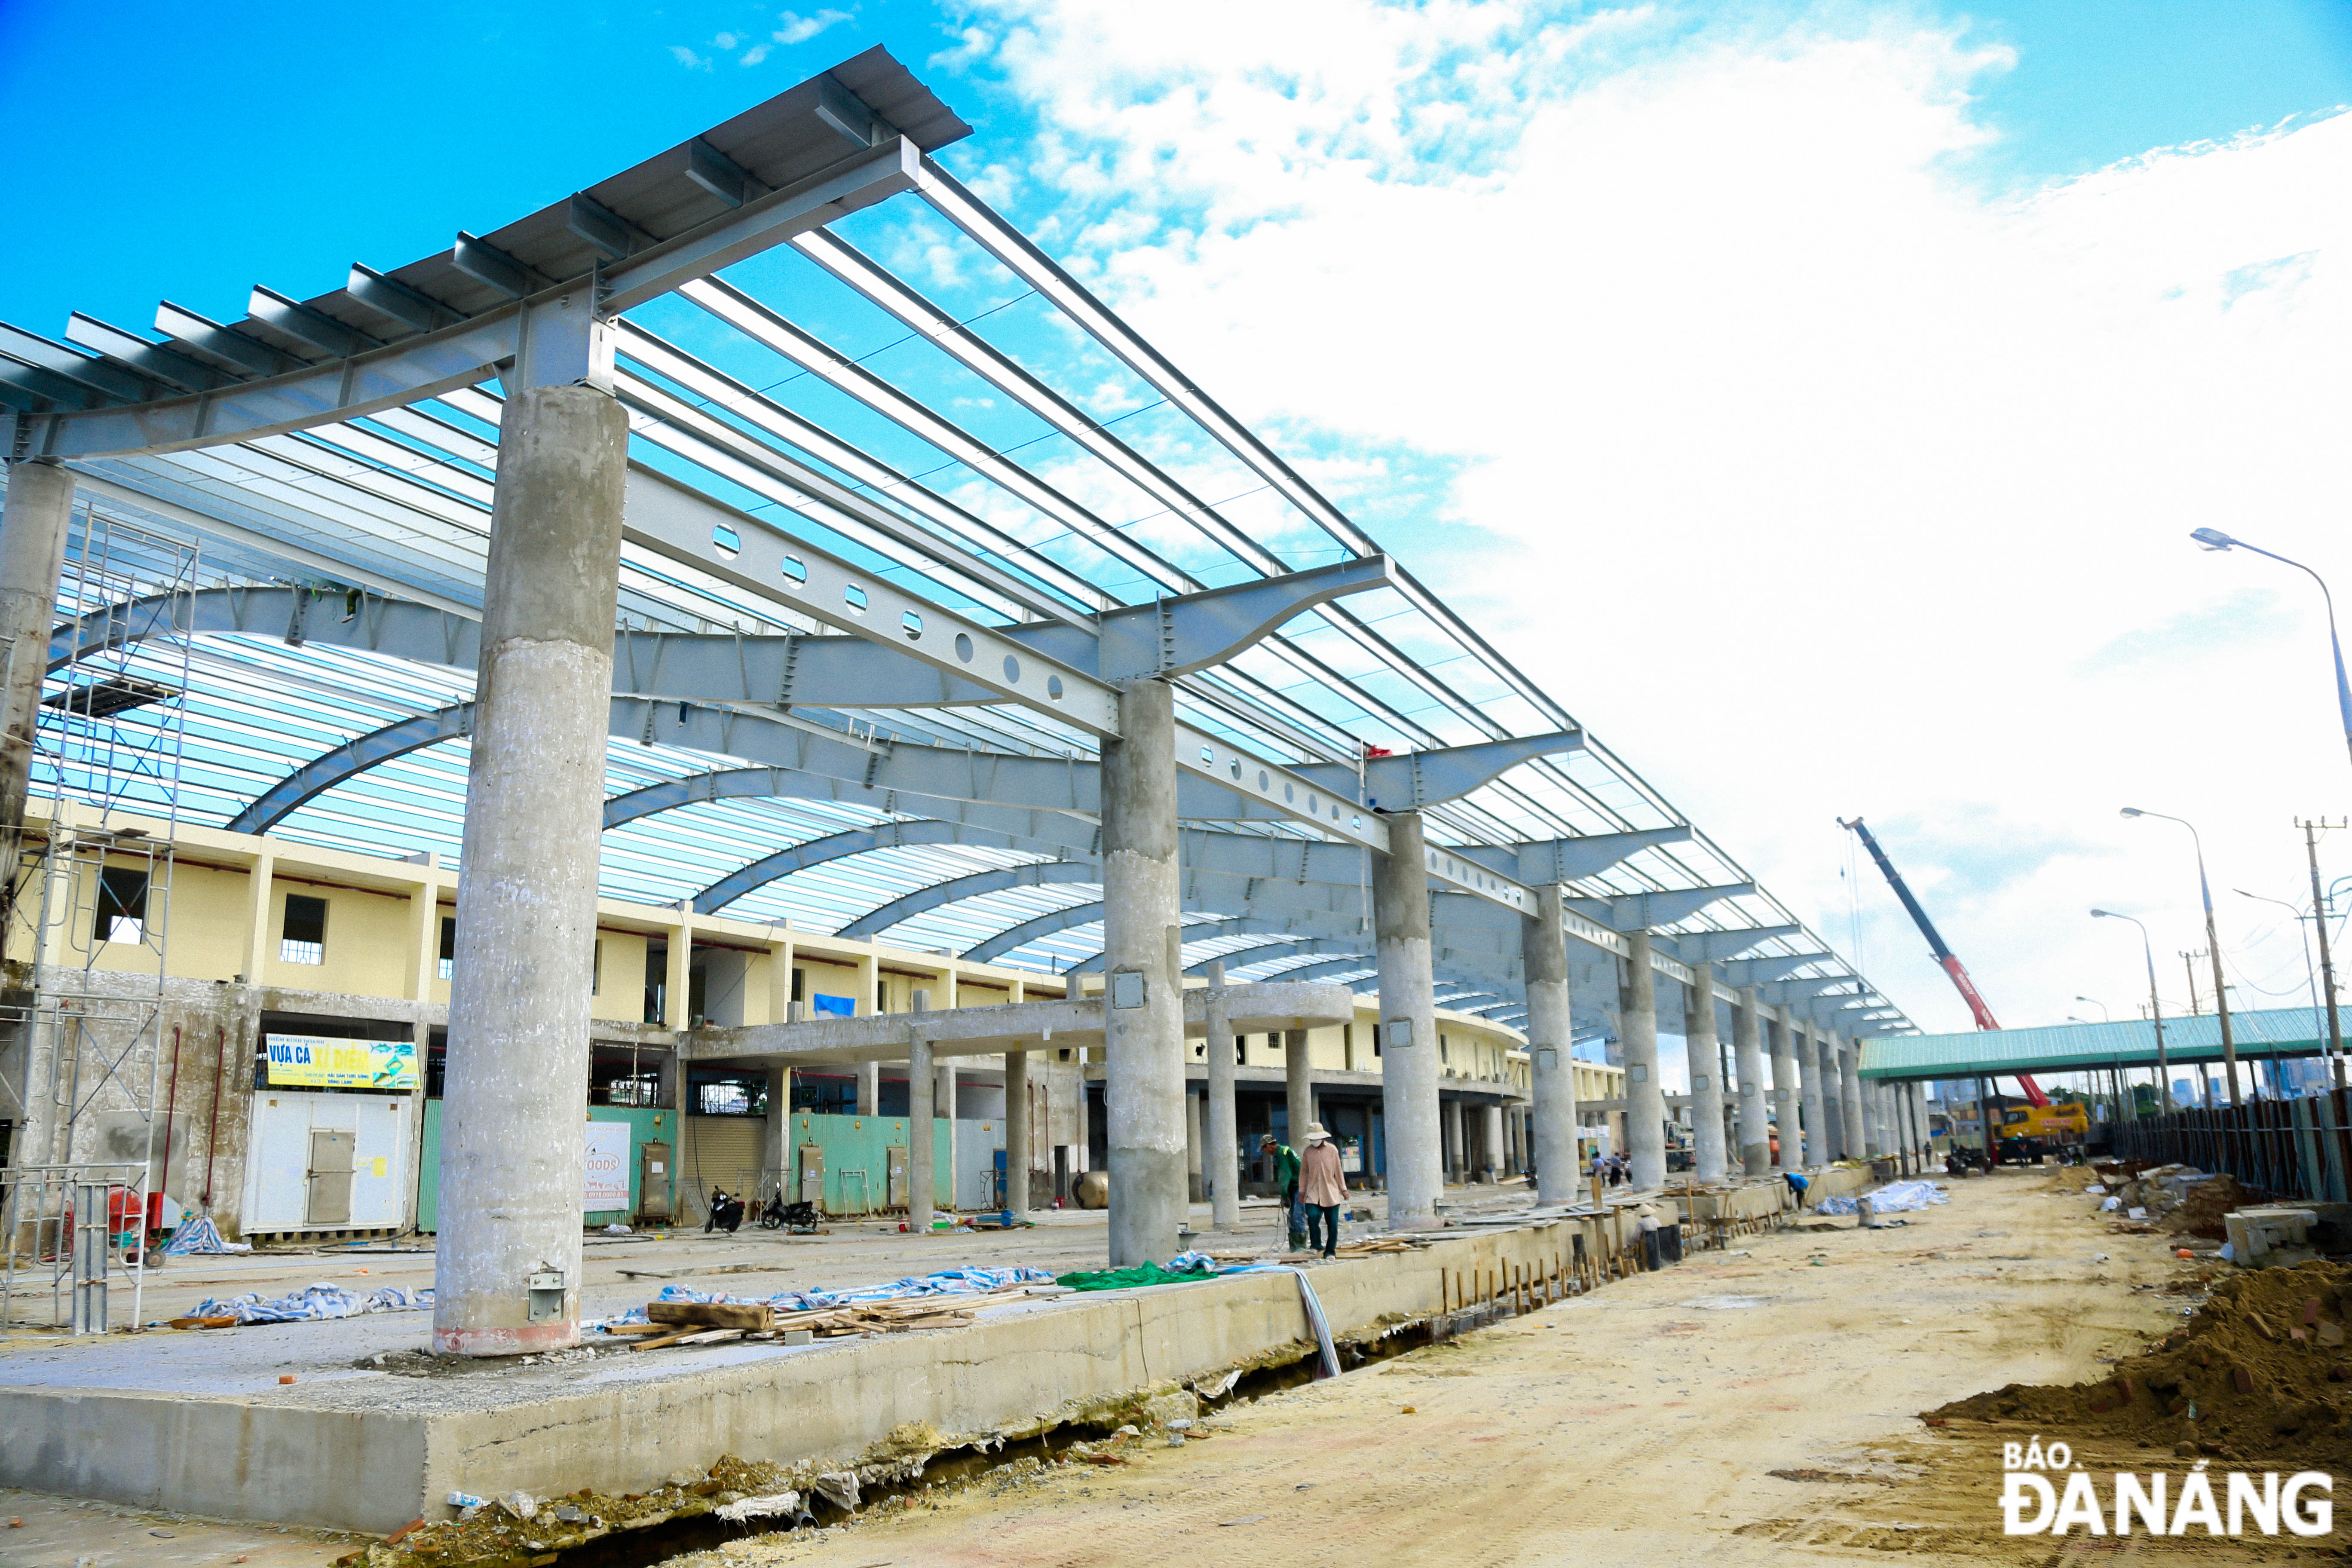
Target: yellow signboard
(317, 1062)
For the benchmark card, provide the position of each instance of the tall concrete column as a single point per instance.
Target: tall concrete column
(1193, 1175)
(869, 1089)
(1143, 1014)
(1859, 1144)
(921, 1135)
(943, 1107)
(1496, 1154)
(1784, 1093)
(1702, 1052)
(1016, 1131)
(1816, 1102)
(1222, 1155)
(1455, 1158)
(1298, 1085)
(1833, 1096)
(1408, 1027)
(776, 1156)
(1543, 952)
(517, 1086)
(1755, 1119)
(1645, 1097)
(33, 528)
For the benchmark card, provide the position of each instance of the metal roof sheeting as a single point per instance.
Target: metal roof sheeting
(2061, 1047)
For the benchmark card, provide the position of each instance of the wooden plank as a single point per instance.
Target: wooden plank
(713, 1314)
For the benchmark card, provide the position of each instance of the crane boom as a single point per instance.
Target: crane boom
(1944, 956)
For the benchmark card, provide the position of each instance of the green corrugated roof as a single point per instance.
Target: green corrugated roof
(2061, 1048)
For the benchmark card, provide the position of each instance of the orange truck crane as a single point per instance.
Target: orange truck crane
(1944, 956)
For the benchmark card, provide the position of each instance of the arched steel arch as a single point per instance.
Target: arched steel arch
(325, 771)
(1050, 873)
(840, 845)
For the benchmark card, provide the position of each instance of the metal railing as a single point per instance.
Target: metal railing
(69, 1230)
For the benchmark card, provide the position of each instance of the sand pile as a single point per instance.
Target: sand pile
(2259, 1374)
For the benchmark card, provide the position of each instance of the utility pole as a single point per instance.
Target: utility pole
(2327, 966)
(2189, 961)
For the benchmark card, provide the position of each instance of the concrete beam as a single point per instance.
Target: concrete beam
(1255, 1008)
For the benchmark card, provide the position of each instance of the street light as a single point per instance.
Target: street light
(2212, 945)
(2214, 538)
(2104, 1017)
(2155, 1007)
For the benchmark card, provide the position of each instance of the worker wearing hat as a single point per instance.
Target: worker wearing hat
(1285, 1160)
(1322, 1188)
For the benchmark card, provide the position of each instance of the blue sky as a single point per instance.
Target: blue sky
(1852, 373)
(197, 150)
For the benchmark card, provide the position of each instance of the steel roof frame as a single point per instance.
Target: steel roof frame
(384, 484)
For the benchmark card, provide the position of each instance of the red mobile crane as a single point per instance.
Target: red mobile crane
(1944, 956)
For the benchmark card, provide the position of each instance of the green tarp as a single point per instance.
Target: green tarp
(1130, 1278)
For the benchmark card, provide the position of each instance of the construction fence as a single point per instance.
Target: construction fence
(2295, 1148)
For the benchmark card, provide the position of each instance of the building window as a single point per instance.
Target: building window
(448, 946)
(302, 939)
(121, 905)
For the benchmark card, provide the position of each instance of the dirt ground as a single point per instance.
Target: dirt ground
(1759, 1406)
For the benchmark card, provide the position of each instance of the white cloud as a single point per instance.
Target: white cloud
(1812, 477)
(798, 29)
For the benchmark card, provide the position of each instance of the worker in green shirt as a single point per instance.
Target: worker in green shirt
(1286, 1176)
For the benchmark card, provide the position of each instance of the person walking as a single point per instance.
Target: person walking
(1322, 1188)
(1285, 1161)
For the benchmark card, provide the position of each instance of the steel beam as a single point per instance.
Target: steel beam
(1046, 874)
(1663, 907)
(1714, 946)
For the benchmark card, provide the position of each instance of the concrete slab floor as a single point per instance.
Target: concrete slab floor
(320, 1356)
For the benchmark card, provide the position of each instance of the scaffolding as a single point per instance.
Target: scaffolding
(88, 931)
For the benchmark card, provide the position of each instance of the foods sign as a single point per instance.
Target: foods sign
(604, 1184)
(317, 1061)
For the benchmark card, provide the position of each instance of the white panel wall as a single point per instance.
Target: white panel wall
(278, 1166)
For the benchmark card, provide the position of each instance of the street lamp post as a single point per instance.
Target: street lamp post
(2104, 1017)
(2154, 1007)
(2212, 945)
(2214, 538)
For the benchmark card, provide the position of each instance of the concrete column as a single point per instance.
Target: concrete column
(1496, 1154)
(1298, 1086)
(1784, 1093)
(1457, 1156)
(943, 1107)
(869, 1089)
(1645, 1097)
(1858, 1140)
(1816, 1145)
(1221, 1155)
(1755, 1119)
(1702, 1052)
(919, 1135)
(1408, 1025)
(1143, 1084)
(32, 527)
(1192, 1146)
(1832, 1097)
(1543, 952)
(511, 1147)
(776, 1152)
(1016, 1131)
(1919, 1118)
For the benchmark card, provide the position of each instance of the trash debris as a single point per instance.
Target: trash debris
(464, 1500)
(1896, 1197)
(312, 1303)
(198, 1237)
(618, 1229)
(769, 1507)
(522, 1505)
(838, 1487)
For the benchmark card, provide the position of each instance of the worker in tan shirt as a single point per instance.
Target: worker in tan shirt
(1321, 1189)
